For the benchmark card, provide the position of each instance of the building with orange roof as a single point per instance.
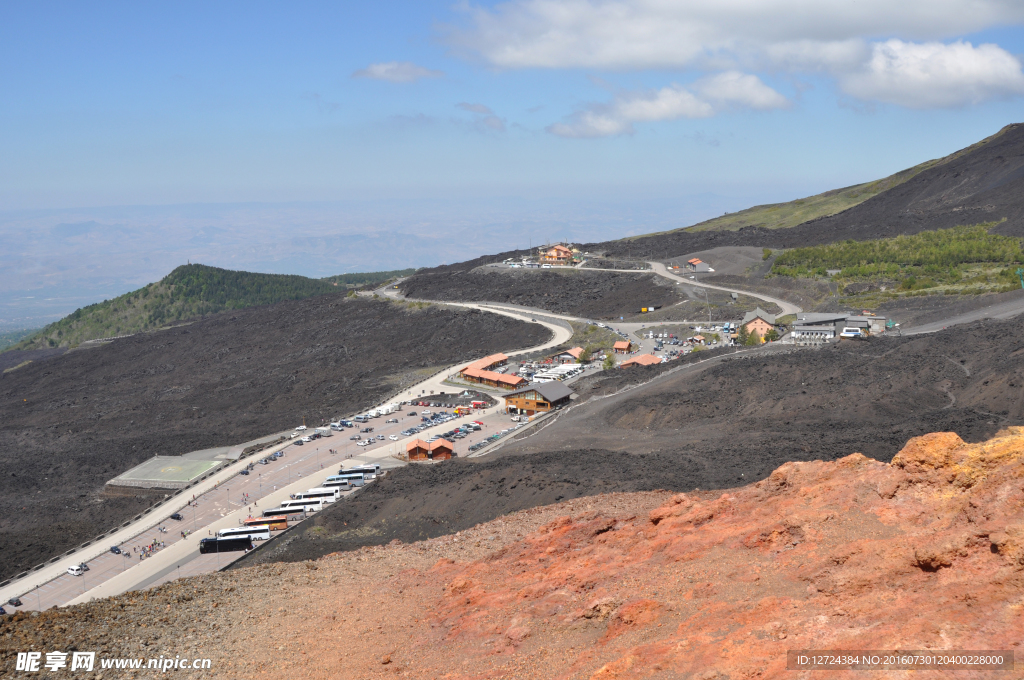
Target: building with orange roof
(641, 360)
(480, 372)
(622, 347)
(697, 265)
(557, 255)
(417, 449)
(439, 449)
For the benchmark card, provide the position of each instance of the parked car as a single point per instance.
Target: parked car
(114, 549)
(393, 437)
(355, 437)
(76, 570)
(307, 440)
(411, 413)
(177, 516)
(14, 602)
(3, 611)
(244, 472)
(391, 420)
(300, 428)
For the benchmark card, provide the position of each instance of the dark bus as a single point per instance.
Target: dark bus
(219, 545)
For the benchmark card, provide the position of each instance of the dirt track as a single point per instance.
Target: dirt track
(70, 423)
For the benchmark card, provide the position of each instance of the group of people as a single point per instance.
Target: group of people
(148, 550)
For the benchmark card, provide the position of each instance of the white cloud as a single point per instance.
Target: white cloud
(630, 34)
(397, 72)
(713, 94)
(740, 90)
(934, 75)
(919, 67)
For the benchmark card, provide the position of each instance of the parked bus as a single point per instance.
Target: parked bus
(361, 419)
(260, 533)
(337, 482)
(369, 471)
(326, 494)
(219, 545)
(281, 511)
(274, 523)
(357, 478)
(308, 504)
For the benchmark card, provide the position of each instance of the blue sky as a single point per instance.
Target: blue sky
(447, 129)
(133, 103)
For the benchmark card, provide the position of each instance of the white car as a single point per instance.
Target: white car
(75, 570)
(393, 437)
(307, 440)
(301, 427)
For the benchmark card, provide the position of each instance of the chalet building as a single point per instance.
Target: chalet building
(758, 321)
(480, 372)
(697, 265)
(641, 360)
(622, 347)
(570, 356)
(440, 449)
(556, 255)
(537, 398)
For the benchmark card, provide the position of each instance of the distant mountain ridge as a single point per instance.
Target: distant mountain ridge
(188, 292)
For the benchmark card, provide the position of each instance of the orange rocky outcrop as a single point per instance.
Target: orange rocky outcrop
(925, 552)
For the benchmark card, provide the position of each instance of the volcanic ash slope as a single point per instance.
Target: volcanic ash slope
(856, 554)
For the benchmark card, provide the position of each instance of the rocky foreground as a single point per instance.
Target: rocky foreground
(925, 552)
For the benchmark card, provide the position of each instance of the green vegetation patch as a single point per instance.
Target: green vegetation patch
(188, 292)
(964, 259)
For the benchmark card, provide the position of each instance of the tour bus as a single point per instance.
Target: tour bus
(219, 545)
(370, 470)
(357, 478)
(260, 533)
(281, 511)
(324, 431)
(327, 495)
(308, 504)
(336, 482)
(274, 523)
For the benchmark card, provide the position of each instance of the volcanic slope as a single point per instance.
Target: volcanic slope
(982, 183)
(926, 552)
(711, 425)
(70, 423)
(576, 292)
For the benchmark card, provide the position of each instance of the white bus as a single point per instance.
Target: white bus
(259, 533)
(337, 482)
(370, 471)
(300, 504)
(357, 478)
(326, 494)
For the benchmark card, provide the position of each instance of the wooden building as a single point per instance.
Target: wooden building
(440, 449)
(537, 398)
(622, 347)
(480, 372)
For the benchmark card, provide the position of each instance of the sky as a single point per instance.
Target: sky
(468, 124)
